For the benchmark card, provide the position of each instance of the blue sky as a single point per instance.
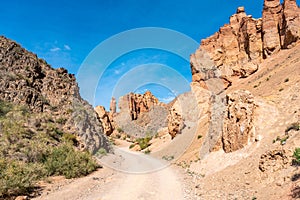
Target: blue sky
(65, 32)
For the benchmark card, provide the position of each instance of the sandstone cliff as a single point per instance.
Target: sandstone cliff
(239, 47)
(237, 50)
(27, 80)
(141, 114)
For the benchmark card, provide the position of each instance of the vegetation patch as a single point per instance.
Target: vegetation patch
(147, 151)
(168, 158)
(296, 156)
(32, 147)
(144, 142)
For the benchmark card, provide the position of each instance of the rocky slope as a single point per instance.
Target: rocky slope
(27, 80)
(237, 50)
(246, 84)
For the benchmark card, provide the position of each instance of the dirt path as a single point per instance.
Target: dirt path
(142, 177)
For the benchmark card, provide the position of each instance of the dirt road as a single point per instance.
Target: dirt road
(134, 176)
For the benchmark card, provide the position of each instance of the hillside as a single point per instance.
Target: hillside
(43, 120)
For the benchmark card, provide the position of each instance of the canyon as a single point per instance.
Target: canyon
(233, 136)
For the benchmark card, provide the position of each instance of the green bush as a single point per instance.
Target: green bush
(120, 130)
(143, 142)
(18, 177)
(148, 151)
(101, 151)
(68, 137)
(4, 108)
(64, 160)
(296, 155)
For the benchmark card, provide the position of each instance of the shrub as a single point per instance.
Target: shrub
(68, 137)
(101, 151)
(64, 160)
(131, 146)
(18, 177)
(120, 130)
(61, 120)
(168, 158)
(283, 140)
(4, 108)
(199, 136)
(148, 151)
(296, 155)
(144, 142)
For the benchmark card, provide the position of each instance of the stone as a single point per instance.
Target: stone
(273, 160)
(21, 198)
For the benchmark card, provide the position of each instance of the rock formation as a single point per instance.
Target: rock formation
(237, 50)
(106, 119)
(273, 160)
(27, 80)
(233, 46)
(141, 114)
(280, 25)
(175, 120)
(139, 103)
(113, 106)
(239, 47)
(238, 127)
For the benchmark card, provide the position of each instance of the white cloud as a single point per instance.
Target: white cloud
(55, 49)
(67, 47)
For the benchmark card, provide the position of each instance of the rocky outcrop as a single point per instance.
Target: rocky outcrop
(113, 106)
(239, 47)
(280, 25)
(175, 120)
(141, 115)
(272, 18)
(27, 80)
(273, 160)
(238, 125)
(106, 119)
(290, 23)
(233, 46)
(139, 103)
